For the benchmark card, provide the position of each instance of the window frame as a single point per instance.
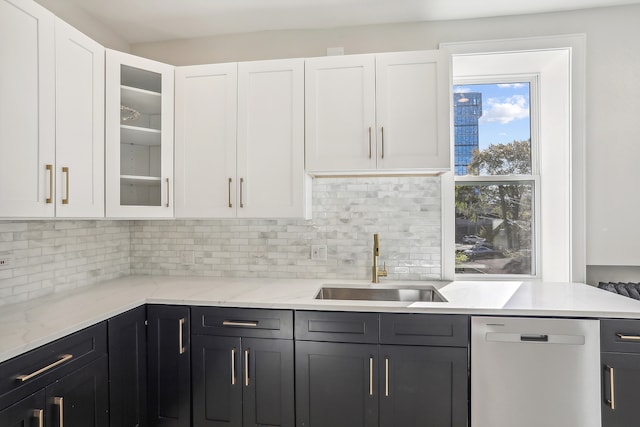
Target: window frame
(563, 241)
(534, 122)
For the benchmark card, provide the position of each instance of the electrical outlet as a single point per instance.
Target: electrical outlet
(6, 261)
(319, 252)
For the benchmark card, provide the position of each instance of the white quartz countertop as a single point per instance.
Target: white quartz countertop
(28, 325)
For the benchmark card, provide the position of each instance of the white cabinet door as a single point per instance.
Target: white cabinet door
(139, 137)
(79, 124)
(412, 108)
(340, 113)
(205, 138)
(27, 109)
(270, 164)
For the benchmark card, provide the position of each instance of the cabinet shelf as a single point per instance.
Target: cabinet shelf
(139, 135)
(140, 180)
(141, 100)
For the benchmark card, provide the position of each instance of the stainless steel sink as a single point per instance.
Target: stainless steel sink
(408, 294)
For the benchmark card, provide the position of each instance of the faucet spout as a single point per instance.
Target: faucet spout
(376, 273)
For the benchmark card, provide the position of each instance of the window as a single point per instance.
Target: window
(495, 185)
(554, 190)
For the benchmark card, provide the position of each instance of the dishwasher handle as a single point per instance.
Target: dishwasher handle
(534, 338)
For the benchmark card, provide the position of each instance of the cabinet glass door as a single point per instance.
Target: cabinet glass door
(139, 143)
(140, 137)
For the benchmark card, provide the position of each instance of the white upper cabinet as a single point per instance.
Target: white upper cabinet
(206, 120)
(27, 110)
(340, 113)
(386, 112)
(270, 166)
(413, 110)
(79, 168)
(240, 140)
(139, 137)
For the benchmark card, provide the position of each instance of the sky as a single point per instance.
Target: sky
(505, 112)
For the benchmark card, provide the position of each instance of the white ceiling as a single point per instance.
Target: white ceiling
(139, 21)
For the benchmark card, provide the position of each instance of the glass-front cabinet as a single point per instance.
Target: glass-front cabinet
(139, 134)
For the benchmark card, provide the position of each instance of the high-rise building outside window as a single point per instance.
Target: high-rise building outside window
(467, 109)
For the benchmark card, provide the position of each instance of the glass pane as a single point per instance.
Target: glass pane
(492, 129)
(494, 232)
(140, 137)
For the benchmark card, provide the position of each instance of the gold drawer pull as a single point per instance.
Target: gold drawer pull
(63, 358)
(233, 366)
(612, 385)
(248, 324)
(624, 337)
(65, 201)
(246, 367)
(371, 376)
(49, 168)
(181, 347)
(38, 414)
(59, 402)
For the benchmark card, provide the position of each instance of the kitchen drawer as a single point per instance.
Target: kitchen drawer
(245, 322)
(25, 374)
(424, 329)
(336, 326)
(621, 336)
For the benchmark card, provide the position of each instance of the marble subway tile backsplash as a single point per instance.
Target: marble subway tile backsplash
(405, 211)
(50, 256)
(53, 256)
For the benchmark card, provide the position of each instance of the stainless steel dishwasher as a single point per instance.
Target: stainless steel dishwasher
(535, 372)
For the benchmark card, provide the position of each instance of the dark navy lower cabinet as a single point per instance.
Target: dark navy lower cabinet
(63, 383)
(242, 376)
(128, 368)
(25, 413)
(169, 366)
(80, 399)
(620, 360)
(353, 370)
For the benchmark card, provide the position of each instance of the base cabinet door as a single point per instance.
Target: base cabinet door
(423, 386)
(217, 386)
(80, 399)
(128, 369)
(621, 389)
(242, 382)
(336, 385)
(268, 390)
(28, 412)
(169, 367)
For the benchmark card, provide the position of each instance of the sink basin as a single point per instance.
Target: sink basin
(408, 294)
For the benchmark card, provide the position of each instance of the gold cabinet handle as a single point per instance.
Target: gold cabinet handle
(167, 205)
(371, 376)
(246, 367)
(382, 130)
(249, 324)
(60, 361)
(369, 141)
(386, 376)
(241, 184)
(38, 414)
(233, 366)
(65, 201)
(612, 385)
(181, 336)
(624, 337)
(50, 169)
(230, 181)
(59, 402)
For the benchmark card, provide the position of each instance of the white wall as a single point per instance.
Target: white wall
(85, 23)
(613, 86)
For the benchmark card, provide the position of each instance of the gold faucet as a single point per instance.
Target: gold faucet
(375, 273)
